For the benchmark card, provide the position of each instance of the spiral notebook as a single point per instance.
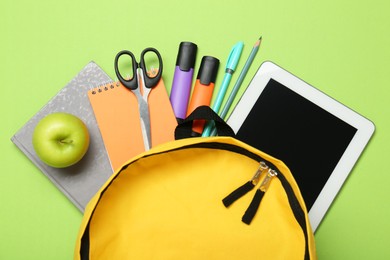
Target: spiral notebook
(82, 180)
(116, 111)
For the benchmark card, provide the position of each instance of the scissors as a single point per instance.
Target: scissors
(141, 80)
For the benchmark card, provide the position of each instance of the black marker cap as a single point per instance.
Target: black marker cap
(208, 70)
(186, 56)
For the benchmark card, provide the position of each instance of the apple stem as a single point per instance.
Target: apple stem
(66, 141)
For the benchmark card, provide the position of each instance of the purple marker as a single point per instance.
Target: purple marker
(182, 79)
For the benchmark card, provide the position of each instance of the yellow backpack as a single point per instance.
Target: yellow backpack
(198, 198)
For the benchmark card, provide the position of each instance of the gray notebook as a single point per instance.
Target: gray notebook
(82, 180)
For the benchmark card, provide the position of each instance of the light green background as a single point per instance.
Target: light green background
(341, 47)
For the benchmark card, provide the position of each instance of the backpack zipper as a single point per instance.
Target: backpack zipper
(260, 192)
(263, 169)
(244, 189)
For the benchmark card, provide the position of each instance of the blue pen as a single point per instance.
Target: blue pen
(231, 66)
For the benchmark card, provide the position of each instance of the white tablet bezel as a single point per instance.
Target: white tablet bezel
(365, 128)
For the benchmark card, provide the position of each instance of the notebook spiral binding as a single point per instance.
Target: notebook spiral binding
(112, 84)
(105, 87)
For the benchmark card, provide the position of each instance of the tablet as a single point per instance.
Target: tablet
(318, 138)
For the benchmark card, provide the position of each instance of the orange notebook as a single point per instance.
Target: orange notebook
(116, 111)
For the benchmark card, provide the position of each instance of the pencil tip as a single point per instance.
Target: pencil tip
(258, 42)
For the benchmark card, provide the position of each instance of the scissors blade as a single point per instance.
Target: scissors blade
(145, 121)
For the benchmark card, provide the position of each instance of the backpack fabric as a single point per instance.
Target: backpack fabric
(198, 198)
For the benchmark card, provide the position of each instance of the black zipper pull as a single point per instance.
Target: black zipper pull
(255, 203)
(242, 190)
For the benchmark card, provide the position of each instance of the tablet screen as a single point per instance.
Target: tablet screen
(307, 138)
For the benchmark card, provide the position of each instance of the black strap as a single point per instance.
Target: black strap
(252, 209)
(184, 128)
(238, 193)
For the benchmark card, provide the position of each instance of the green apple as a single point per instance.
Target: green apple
(60, 139)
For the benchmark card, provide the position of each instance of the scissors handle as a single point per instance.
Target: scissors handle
(151, 82)
(148, 81)
(131, 83)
